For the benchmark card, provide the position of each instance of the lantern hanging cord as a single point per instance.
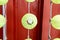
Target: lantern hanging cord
(4, 28)
(28, 12)
(49, 30)
(28, 34)
(29, 7)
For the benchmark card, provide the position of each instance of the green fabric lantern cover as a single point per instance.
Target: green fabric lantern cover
(56, 39)
(3, 2)
(2, 21)
(55, 21)
(56, 1)
(29, 21)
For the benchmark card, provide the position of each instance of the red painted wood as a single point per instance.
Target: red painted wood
(10, 20)
(1, 29)
(46, 15)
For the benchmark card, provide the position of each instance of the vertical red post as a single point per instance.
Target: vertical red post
(46, 18)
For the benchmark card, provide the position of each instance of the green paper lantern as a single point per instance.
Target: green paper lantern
(29, 21)
(3, 2)
(56, 39)
(55, 21)
(56, 1)
(2, 21)
(30, 0)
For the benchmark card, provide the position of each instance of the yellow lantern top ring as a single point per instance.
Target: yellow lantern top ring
(30, 0)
